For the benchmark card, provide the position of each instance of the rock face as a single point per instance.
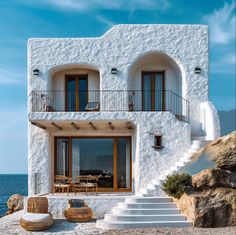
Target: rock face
(214, 178)
(210, 208)
(15, 203)
(212, 203)
(222, 151)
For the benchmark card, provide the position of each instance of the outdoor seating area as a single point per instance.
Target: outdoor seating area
(38, 217)
(82, 183)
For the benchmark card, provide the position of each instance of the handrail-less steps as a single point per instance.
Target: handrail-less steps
(144, 212)
(146, 209)
(154, 187)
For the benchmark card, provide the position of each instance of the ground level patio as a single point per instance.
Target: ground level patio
(99, 202)
(10, 225)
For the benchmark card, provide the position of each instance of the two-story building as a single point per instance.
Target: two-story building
(128, 104)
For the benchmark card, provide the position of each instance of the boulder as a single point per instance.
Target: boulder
(15, 203)
(209, 208)
(214, 178)
(221, 151)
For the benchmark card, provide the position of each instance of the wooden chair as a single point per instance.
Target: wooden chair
(61, 183)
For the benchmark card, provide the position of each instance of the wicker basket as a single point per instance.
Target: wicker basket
(82, 214)
(37, 205)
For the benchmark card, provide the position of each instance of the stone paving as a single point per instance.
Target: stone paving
(10, 225)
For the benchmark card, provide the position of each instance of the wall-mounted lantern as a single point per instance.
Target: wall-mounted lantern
(113, 71)
(197, 70)
(36, 72)
(157, 142)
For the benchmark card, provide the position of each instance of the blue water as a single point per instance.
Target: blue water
(11, 184)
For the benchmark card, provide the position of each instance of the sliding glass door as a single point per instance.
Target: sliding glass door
(123, 163)
(93, 156)
(153, 94)
(62, 160)
(106, 157)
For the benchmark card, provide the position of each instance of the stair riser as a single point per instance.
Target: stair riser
(148, 200)
(119, 211)
(146, 206)
(105, 225)
(142, 218)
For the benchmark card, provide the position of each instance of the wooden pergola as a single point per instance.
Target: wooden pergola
(77, 126)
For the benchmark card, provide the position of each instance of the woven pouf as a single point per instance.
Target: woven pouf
(36, 221)
(78, 211)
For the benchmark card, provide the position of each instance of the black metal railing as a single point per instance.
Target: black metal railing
(110, 100)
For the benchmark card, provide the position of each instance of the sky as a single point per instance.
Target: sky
(23, 19)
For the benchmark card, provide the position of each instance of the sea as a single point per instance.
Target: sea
(11, 184)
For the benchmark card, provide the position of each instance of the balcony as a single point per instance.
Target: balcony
(110, 101)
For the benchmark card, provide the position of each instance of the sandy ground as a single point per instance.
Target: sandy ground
(10, 225)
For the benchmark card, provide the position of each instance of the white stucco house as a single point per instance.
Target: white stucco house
(132, 105)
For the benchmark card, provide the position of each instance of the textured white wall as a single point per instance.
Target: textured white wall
(123, 47)
(210, 121)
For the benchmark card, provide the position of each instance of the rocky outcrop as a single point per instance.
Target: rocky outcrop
(214, 178)
(222, 151)
(209, 208)
(15, 203)
(212, 202)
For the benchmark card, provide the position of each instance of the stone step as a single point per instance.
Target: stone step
(147, 224)
(161, 211)
(125, 205)
(142, 218)
(148, 199)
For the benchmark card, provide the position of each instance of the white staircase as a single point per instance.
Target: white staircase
(138, 212)
(154, 187)
(146, 209)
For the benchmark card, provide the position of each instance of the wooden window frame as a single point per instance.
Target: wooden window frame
(153, 73)
(115, 165)
(77, 77)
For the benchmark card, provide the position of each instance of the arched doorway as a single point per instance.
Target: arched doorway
(73, 88)
(155, 83)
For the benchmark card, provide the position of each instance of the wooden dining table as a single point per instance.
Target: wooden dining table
(85, 182)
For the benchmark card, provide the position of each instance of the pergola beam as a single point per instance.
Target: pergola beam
(39, 125)
(92, 125)
(111, 125)
(57, 126)
(75, 125)
(129, 126)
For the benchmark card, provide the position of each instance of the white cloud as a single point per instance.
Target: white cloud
(222, 37)
(106, 21)
(14, 77)
(222, 24)
(87, 5)
(224, 64)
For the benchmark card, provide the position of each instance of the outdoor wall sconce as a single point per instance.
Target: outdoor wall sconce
(197, 70)
(113, 71)
(36, 72)
(157, 142)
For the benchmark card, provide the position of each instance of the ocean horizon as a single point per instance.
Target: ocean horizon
(11, 184)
